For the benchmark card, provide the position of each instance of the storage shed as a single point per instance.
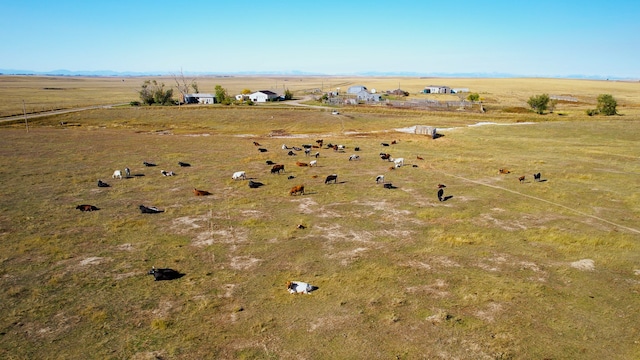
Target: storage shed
(263, 96)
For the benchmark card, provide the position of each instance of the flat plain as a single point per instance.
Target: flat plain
(502, 269)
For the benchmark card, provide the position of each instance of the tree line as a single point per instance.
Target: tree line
(606, 104)
(153, 92)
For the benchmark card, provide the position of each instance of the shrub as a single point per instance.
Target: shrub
(539, 103)
(607, 104)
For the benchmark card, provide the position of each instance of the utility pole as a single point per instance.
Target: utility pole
(24, 111)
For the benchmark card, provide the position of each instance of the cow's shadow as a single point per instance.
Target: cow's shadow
(447, 197)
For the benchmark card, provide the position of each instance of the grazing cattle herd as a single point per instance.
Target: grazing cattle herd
(294, 287)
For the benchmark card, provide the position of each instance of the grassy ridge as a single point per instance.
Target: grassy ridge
(500, 270)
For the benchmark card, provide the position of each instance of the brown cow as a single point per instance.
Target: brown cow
(86, 208)
(298, 189)
(301, 163)
(200, 192)
(277, 168)
(521, 178)
(504, 171)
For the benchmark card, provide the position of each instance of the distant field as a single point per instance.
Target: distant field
(501, 269)
(47, 93)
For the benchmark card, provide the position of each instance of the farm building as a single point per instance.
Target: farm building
(199, 98)
(242, 97)
(426, 130)
(436, 89)
(263, 96)
(459, 90)
(356, 89)
(367, 96)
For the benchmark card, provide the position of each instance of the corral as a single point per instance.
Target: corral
(502, 269)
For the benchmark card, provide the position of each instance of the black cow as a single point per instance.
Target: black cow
(165, 274)
(102, 184)
(150, 209)
(332, 177)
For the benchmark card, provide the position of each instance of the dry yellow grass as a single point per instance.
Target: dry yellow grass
(46, 93)
(502, 270)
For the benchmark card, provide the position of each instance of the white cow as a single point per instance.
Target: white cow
(117, 174)
(354, 157)
(299, 287)
(313, 163)
(398, 162)
(380, 179)
(239, 175)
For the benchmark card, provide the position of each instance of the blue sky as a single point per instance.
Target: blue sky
(529, 38)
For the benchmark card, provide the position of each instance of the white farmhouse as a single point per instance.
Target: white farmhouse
(437, 89)
(263, 96)
(199, 98)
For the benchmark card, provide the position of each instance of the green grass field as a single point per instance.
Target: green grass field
(500, 270)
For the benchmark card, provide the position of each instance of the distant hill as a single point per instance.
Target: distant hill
(110, 73)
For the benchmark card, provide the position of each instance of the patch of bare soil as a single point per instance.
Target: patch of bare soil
(506, 263)
(490, 312)
(244, 262)
(438, 289)
(94, 261)
(436, 261)
(222, 236)
(185, 223)
(584, 265)
(348, 256)
(328, 323)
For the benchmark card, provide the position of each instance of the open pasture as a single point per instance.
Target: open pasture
(499, 270)
(47, 93)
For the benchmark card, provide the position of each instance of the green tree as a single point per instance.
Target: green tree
(222, 96)
(288, 95)
(473, 97)
(153, 92)
(607, 104)
(539, 103)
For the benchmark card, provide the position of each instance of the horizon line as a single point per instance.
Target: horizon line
(111, 73)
